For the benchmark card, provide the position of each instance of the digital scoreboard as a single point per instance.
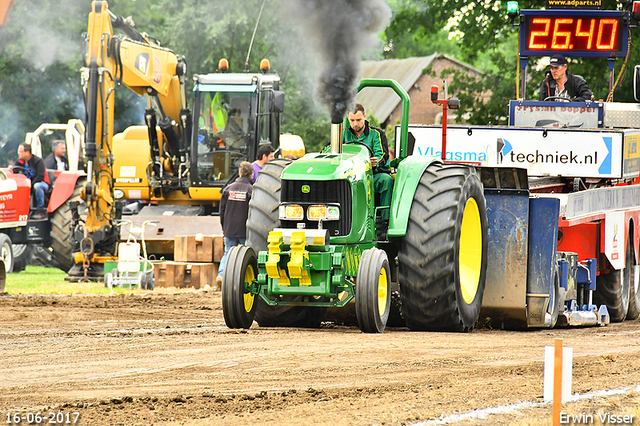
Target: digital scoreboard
(592, 33)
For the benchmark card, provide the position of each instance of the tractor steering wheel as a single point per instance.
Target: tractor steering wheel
(553, 98)
(363, 144)
(19, 169)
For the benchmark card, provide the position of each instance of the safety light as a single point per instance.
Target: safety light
(223, 65)
(322, 212)
(265, 66)
(635, 11)
(291, 212)
(434, 93)
(512, 10)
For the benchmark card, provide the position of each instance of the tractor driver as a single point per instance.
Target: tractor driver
(359, 130)
(33, 167)
(561, 84)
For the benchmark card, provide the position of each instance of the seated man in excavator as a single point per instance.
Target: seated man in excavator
(359, 130)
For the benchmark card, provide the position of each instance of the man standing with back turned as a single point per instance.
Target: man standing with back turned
(234, 210)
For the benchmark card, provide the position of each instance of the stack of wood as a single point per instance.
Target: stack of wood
(195, 264)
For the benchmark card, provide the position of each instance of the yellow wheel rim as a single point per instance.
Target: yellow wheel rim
(382, 292)
(470, 261)
(249, 276)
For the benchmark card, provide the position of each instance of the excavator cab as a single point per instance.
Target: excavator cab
(233, 115)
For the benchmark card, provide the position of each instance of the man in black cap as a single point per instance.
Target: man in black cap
(558, 82)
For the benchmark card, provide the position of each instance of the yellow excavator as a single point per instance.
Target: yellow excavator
(178, 162)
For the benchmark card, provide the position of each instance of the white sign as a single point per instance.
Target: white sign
(614, 239)
(544, 152)
(135, 194)
(127, 171)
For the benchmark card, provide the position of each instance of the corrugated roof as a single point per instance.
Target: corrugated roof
(405, 71)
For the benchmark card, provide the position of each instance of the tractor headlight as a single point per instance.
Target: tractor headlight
(118, 194)
(323, 212)
(291, 212)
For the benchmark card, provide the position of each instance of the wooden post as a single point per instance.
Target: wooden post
(557, 383)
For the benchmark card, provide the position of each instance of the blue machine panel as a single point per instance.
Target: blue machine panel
(543, 227)
(504, 300)
(557, 115)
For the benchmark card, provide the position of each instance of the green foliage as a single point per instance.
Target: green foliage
(487, 40)
(416, 30)
(42, 280)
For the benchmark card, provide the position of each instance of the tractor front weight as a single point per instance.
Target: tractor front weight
(302, 263)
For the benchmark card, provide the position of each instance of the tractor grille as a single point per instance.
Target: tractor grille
(334, 192)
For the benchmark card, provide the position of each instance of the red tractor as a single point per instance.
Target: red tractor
(19, 234)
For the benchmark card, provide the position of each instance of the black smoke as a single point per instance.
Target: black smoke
(342, 31)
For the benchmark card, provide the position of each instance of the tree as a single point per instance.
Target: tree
(417, 29)
(487, 41)
(40, 58)
(224, 30)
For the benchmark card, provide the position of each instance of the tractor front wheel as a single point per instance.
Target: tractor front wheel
(373, 291)
(6, 251)
(442, 257)
(238, 305)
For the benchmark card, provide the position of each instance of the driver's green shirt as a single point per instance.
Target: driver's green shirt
(373, 138)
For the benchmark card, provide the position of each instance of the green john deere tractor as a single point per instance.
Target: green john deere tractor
(312, 241)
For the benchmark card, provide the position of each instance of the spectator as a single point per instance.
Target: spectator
(33, 167)
(234, 210)
(265, 154)
(57, 160)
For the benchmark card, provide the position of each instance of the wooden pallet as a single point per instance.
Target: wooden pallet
(198, 248)
(185, 274)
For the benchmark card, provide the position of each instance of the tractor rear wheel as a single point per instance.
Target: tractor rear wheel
(21, 256)
(373, 291)
(443, 254)
(263, 218)
(238, 305)
(613, 289)
(61, 231)
(265, 201)
(6, 252)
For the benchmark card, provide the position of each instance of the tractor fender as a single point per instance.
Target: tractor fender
(408, 176)
(63, 189)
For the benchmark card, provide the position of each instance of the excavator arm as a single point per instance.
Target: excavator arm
(135, 60)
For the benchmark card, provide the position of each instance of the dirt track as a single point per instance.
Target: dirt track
(168, 359)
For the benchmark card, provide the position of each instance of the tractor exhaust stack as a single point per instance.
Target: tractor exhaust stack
(336, 137)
